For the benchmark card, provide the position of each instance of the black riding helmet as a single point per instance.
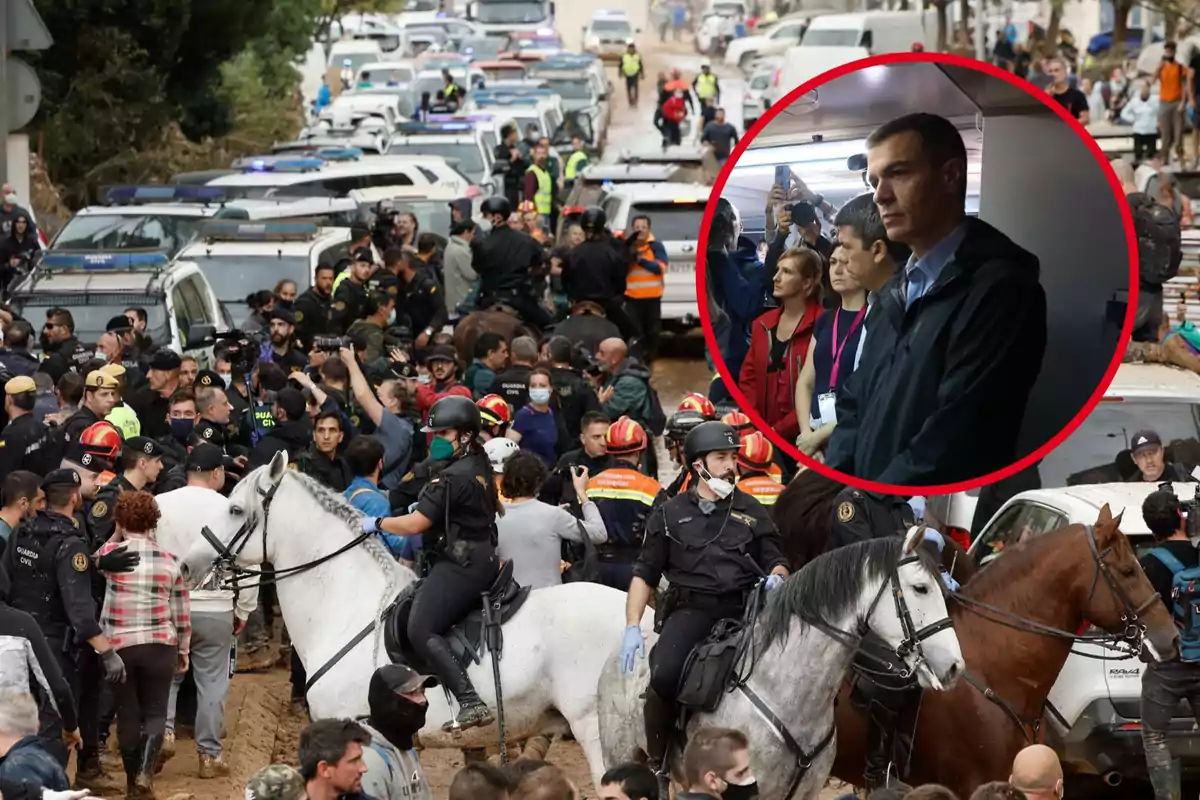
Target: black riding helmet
(709, 437)
(682, 423)
(593, 220)
(497, 205)
(453, 413)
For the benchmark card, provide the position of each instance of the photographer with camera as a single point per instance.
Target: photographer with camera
(313, 306)
(350, 296)
(387, 413)
(283, 348)
(1173, 569)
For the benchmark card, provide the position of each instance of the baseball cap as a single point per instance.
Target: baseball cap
(205, 457)
(100, 380)
(20, 385)
(365, 255)
(1144, 440)
(441, 352)
(276, 782)
(401, 678)
(61, 477)
(117, 324)
(165, 360)
(284, 315)
(292, 402)
(144, 445)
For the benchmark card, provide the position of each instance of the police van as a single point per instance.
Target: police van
(182, 311)
(607, 33)
(583, 93)
(164, 218)
(675, 211)
(459, 142)
(240, 258)
(539, 107)
(299, 177)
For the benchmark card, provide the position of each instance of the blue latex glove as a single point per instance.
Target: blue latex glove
(935, 537)
(370, 525)
(632, 646)
(774, 581)
(412, 507)
(948, 581)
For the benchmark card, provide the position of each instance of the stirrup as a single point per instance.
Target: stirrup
(472, 716)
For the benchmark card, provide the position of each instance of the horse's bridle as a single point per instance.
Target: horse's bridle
(226, 559)
(1135, 631)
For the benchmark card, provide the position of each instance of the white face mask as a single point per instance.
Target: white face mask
(720, 487)
(392, 317)
(227, 378)
(539, 396)
(424, 378)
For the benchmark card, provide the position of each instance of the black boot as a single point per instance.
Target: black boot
(881, 735)
(472, 711)
(132, 760)
(148, 759)
(89, 774)
(660, 725)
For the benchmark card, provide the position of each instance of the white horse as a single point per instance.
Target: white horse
(805, 640)
(554, 647)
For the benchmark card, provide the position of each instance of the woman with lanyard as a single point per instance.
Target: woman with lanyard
(832, 356)
(456, 514)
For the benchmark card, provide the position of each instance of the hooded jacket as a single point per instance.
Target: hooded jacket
(293, 435)
(737, 279)
(940, 393)
(773, 394)
(631, 389)
(460, 275)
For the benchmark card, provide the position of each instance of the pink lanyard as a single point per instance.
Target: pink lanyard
(837, 350)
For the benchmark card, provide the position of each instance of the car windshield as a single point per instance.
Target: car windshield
(420, 5)
(432, 215)
(127, 232)
(508, 12)
(482, 48)
(234, 277)
(611, 27)
(1089, 454)
(760, 82)
(672, 221)
(470, 160)
(92, 314)
(830, 38)
(385, 75)
(571, 89)
(356, 60)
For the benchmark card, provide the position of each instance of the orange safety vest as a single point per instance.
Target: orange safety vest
(775, 472)
(641, 283)
(104, 478)
(624, 497)
(1170, 88)
(762, 488)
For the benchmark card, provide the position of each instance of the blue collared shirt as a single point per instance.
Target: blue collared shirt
(922, 273)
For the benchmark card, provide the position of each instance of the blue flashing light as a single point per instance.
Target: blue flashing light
(277, 164)
(460, 118)
(449, 125)
(164, 194)
(89, 262)
(490, 97)
(231, 231)
(522, 91)
(338, 153)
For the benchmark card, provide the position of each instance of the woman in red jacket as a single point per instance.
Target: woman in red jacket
(779, 341)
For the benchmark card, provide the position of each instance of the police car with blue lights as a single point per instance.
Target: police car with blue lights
(276, 176)
(459, 142)
(539, 107)
(240, 258)
(181, 309)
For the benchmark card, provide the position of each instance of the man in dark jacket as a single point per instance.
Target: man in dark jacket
(313, 306)
(59, 343)
(954, 341)
(1146, 449)
(597, 268)
(508, 154)
(15, 355)
(507, 261)
(292, 430)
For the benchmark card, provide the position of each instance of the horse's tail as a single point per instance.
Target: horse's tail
(802, 515)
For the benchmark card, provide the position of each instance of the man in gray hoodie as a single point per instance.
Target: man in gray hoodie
(461, 279)
(396, 697)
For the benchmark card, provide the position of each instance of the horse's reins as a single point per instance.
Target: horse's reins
(1130, 641)
(911, 643)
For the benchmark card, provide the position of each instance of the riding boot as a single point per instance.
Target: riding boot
(472, 711)
(660, 724)
(881, 735)
(144, 782)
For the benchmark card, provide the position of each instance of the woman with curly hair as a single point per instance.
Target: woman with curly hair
(146, 617)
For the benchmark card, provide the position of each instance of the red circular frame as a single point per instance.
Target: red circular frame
(702, 271)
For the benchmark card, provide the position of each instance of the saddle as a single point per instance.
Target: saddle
(468, 636)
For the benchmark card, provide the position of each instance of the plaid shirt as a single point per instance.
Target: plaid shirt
(148, 605)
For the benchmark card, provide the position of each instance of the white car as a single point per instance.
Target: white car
(1094, 706)
(1141, 396)
(774, 41)
(607, 33)
(753, 105)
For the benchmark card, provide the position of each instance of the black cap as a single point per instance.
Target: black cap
(284, 314)
(206, 377)
(61, 477)
(77, 453)
(441, 352)
(144, 445)
(120, 323)
(401, 678)
(803, 213)
(165, 360)
(1144, 440)
(205, 457)
(364, 254)
(292, 402)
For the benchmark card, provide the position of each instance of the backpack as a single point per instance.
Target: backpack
(653, 417)
(1185, 603)
(1159, 238)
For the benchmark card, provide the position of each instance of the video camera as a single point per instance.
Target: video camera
(330, 344)
(384, 230)
(1189, 506)
(241, 349)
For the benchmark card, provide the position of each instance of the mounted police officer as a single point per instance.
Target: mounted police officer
(859, 515)
(456, 516)
(506, 261)
(713, 543)
(48, 565)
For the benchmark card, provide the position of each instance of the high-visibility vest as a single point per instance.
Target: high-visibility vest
(631, 64)
(124, 418)
(624, 498)
(641, 283)
(763, 488)
(706, 86)
(545, 192)
(338, 280)
(573, 164)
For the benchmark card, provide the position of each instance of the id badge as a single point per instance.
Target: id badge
(827, 405)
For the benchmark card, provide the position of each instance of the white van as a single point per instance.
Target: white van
(357, 51)
(836, 39)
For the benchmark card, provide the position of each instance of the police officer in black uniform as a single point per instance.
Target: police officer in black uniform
(456, 514)
(99, 395)
(25, 443)
(507, 261)
(313, 305)
(283, 346)
(679, 425)
(141, 463)
(713, 543)
(860, 515)
(421, 298)
(596, 271)
(48, 565)
(350, 297)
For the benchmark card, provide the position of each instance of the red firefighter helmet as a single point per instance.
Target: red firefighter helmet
(494, 410)
(624, 437)
(755, 453)
(698, 402)
(102, 439)
(740, 423)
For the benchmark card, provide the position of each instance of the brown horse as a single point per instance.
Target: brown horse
(1059, 579)
(498, 319)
